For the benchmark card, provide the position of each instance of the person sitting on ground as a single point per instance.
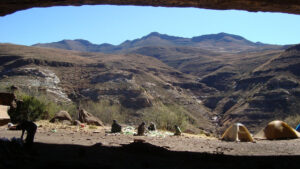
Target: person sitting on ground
(152, 127)
(30, 128)
(141, 129)
(115, 127)
(177, 131)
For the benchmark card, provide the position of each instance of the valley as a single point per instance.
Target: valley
(204, 83)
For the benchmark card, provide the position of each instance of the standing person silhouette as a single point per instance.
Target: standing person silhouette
(30, 128)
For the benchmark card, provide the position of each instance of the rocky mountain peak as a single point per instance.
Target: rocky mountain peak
(161, 36)
(82, 41)
(153, 34)
(218, 37)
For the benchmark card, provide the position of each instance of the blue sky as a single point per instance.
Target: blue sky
(115, 24)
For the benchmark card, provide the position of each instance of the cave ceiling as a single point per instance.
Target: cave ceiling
(284, 6)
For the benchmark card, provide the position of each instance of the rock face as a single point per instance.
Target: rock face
(269, 93)
(136, 103)
(287, 6)
(61, 116)
(86, 117)
(40, 78)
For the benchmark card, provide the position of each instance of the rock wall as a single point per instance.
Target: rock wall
(286, 6)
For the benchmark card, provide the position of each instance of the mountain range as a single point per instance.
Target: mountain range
(212, 80)
(221, 42)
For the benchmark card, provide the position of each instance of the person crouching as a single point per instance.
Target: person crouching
(30, 128)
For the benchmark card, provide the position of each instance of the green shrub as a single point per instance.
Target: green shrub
(166, 116)
(29, 109)
(53, 107)
(38, 107)
(105, 110)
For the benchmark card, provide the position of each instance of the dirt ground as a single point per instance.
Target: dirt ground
(61, 142)
(89, 135)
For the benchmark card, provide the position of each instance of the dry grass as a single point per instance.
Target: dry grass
(45, 125)
(293, 120)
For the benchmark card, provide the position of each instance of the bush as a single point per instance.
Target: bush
(166, 116)
(29, 109)
(105, 110)
(38, 107)
(53, 107)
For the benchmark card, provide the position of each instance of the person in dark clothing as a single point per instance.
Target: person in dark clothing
(115, 127)
(152, 127)
(30, 128)
(177, 131)
(141, 129)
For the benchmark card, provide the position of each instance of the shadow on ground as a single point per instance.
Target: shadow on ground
(134, 155)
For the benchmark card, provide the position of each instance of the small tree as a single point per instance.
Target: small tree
(29, 109)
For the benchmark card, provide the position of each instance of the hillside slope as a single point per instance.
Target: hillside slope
(269, 92)
(234, 79)
(130, 88)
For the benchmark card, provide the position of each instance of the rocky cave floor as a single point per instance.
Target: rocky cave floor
(94, 147)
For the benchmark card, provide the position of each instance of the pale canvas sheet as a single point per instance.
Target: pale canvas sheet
(3, 112)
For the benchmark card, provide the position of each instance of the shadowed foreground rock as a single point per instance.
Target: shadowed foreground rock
(134, 155)
(286, 6)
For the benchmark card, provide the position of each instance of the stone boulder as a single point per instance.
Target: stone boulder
(88, 118)
(61, 116)
(76, 123)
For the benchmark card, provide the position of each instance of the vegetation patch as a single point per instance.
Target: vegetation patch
(293, 120)
(36, 106)
(166, 116)
(105, 110)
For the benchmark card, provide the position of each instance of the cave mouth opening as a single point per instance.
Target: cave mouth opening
(223, 34)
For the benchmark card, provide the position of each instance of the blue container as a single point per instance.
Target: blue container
(298, 128)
